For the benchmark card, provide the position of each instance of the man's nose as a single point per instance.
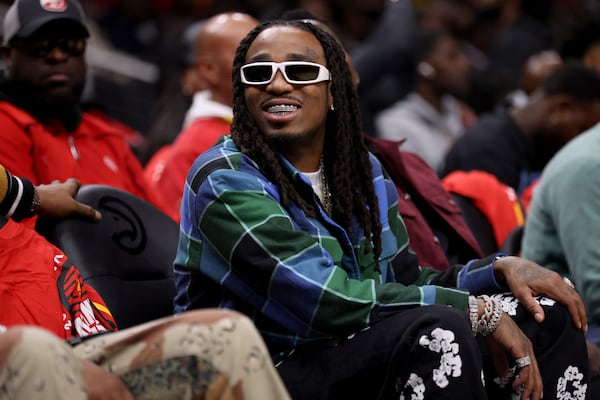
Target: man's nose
(279, 83)
(56, 53)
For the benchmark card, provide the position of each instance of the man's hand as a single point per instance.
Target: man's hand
(102, 385)
(527, 279)
(57, 201)
(508, 338)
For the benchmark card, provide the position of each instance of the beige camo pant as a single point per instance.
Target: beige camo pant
(204, 354)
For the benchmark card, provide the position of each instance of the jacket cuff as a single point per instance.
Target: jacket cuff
(24, 207)
(478, 276)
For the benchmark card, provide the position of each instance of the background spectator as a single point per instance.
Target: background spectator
(210, 114)
(431, 118)
(561, 229)
(46, 134)
(515, 144)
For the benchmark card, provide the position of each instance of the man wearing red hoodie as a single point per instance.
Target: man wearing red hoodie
(46, 135)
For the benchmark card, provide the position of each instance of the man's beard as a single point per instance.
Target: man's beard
(284, 140)
(43, 103)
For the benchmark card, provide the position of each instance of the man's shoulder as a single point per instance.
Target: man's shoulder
(490, 131)
(577, 160)
(15, 113)
(586, 143)
(223, 155)
(489, 125)
(200, 135)
(411, 106)
(376, 165)
(226, 164)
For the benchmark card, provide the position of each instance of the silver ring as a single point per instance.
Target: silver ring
(523, 361)
(569, 283)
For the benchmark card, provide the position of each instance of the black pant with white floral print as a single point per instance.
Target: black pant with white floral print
(559, 348)
(421, 353)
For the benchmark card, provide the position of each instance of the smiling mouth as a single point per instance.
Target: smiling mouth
(57, 77)
(282, 109)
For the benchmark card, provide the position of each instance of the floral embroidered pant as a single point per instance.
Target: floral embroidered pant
(430, 353)
(419, 353)
(559, 347)
(208, 354)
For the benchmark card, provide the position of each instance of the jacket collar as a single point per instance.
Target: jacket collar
(203, 107)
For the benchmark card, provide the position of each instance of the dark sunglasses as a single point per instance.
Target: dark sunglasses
(294, 72)
(40, 48)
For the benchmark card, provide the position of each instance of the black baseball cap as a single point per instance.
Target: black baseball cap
(24, 17)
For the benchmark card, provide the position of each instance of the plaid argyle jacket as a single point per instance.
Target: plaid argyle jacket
(299, 278)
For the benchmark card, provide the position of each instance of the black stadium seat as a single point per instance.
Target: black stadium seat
(127, 256)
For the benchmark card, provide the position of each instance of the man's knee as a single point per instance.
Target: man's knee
(8, 341)
(39, 365)
(558, 327)
(208, 315)
(557, 316)
(32, 343)
(35, 339)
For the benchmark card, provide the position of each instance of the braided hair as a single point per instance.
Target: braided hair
(345, 156)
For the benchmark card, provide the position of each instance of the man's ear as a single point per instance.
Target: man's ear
(208, 71)
(190, 81)
(204, 70)
(330, 98)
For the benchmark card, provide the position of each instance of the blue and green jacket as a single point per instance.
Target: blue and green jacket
(299, 278)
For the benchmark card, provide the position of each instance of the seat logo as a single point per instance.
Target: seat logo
(54, 5)
(129, 232)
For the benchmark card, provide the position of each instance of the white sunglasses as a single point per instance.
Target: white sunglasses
(294, 72)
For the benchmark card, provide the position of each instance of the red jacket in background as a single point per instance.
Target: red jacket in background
(423, 201)
(96, 152)
(168, 169)
(497, 201)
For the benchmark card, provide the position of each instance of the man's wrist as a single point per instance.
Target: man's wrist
(35, 202)
(485, 314)
(473, 313)
(497, 267)
(478, 276)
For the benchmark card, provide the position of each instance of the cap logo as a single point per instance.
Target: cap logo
(54, 5)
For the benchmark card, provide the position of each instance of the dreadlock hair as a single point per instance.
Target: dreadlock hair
(345, 156)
